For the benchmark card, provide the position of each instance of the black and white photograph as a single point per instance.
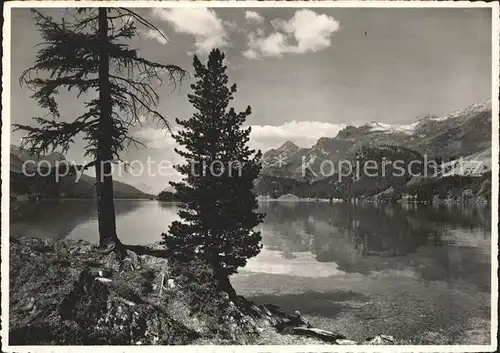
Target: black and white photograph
(261, 176)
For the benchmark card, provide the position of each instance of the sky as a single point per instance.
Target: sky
(306, 73)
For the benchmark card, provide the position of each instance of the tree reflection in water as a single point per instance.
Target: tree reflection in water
(58, 218)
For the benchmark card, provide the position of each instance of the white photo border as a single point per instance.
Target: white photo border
(6, 79)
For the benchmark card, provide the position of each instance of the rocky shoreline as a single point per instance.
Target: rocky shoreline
(68, 293)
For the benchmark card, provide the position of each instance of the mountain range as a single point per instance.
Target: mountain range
(67, 186)
(464, 133)
(456, 147)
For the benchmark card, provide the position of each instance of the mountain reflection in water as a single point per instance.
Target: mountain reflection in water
(446, 243)
(443, 242)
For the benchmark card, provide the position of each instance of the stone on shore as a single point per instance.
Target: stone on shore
(380, 339)
(324, 335)
(67, 293)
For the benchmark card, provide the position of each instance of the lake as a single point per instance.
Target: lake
(419, 273)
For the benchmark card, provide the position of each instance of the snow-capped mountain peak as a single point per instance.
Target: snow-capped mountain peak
(383, 127)
(474, 108)
(463, 133)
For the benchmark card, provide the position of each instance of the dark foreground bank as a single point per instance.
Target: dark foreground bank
(67, 293)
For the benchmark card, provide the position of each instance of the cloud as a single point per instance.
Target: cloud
(265, 137)
(159, 37)
(203, 24)
(154, 138)
(273, 45)
(302, 133)
(250, 54)
(231, 25)
(310, 32)
(253, 17)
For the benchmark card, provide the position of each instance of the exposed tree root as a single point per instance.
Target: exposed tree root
(145, 250)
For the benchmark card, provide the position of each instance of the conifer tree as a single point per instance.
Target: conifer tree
(218, 206)
(89, 54)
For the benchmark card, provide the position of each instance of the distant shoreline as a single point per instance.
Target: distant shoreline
(79, 199)
(265, 200)
(400, 201)
(300, 199)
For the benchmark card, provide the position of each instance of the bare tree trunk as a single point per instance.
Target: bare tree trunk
(223, 282)
(226, 286)
(105, 202)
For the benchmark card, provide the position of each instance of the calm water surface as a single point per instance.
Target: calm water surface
(419, 273)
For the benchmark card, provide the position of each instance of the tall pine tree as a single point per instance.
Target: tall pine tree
(218, 206)
(87, 51)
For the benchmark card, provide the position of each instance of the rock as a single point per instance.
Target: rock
(132, 256)
(79, 247)
(129, 303)
(155, 263)
(262, 316)
(171, 283)
(345, 342)
(286, 323)
(61, 248)
(30, 304)
(131, 262)
(380, 339)
(388, 338)
(301, 319)
(106, 273)
(112, 262)
(103, 280)
(324, 335)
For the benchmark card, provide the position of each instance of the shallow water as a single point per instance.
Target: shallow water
(418, 273)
